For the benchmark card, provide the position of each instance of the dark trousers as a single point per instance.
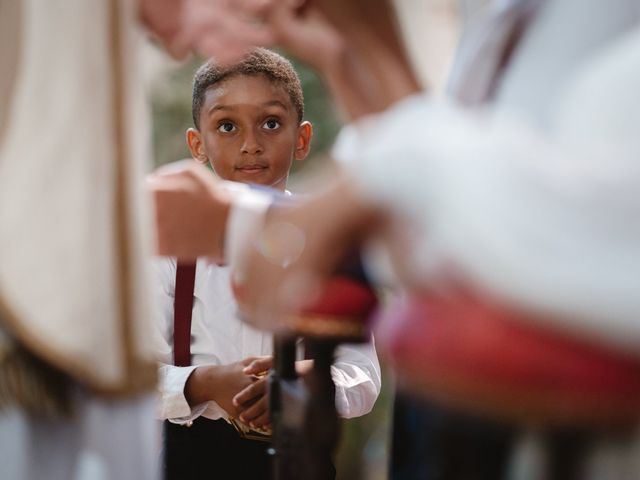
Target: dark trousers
(213, 450)
(431, 442)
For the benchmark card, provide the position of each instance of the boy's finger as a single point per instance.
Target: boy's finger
(255, 411)
(258, 366)
(254, 390)
(260, 422)
(248, 361)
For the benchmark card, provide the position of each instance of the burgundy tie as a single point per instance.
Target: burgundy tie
(182, 309)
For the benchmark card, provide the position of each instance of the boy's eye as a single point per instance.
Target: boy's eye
(226, 127)
(271, 124)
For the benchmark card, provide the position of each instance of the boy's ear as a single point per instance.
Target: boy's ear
(194, 142)
(303, 142)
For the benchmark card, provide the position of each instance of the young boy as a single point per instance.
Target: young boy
(249, 128)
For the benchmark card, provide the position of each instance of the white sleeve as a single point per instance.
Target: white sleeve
(542, 219)
(171, 379)
(173, 403)
(356, 375)
(246, 217)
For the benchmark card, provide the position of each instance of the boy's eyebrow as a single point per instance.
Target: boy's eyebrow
(277, 103)
(215, 108)
(270, 103)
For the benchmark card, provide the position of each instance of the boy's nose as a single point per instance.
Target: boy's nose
(251, 145)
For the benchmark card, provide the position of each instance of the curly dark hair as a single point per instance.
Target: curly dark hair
(258, 61)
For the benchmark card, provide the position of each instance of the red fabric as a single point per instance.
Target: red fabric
(345, 298)
(492, 356)
(182, 310)
(342, 298)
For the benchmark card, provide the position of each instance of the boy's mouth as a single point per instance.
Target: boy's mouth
(252, 168)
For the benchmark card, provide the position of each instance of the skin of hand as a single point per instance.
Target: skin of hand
(191, 211)
(252, 403)
(354, 45)
(331, 223)
(220, 383)
(224, 29)
(162, 18)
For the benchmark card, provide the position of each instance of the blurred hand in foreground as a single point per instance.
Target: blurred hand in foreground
(354, 45)
(224, 29)
(191, 210)
(282, 274)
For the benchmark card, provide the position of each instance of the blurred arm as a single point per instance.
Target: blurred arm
(198, 215)
(356, 375)
(540, 219)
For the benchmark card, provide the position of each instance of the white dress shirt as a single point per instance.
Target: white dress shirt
(534, 200)
(219, 338)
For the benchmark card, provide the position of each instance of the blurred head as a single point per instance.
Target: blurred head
(248, 119)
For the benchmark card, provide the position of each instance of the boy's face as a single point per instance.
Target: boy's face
(249, 131)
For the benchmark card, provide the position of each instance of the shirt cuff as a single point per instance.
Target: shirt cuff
(174, 405)
(246, 217)
(356, 392)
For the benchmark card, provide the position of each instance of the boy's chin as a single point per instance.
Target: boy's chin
(253, 177)
(259, 176)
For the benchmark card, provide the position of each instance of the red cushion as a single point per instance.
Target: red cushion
(483, 358)
(342, 311)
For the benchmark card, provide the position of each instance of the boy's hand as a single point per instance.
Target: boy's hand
(230, 380)
(252, 403)
(259, 366)
(191, 210)
(219, 383)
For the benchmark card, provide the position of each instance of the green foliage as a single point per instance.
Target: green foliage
(171, 113)
(364, 443)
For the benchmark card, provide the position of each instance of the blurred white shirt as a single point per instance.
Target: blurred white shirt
(534, 200)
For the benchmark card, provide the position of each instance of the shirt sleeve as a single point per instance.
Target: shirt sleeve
(356, 375)
(544, 219)
(173, 403)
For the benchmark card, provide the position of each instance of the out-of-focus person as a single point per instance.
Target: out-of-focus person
(76, 365)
